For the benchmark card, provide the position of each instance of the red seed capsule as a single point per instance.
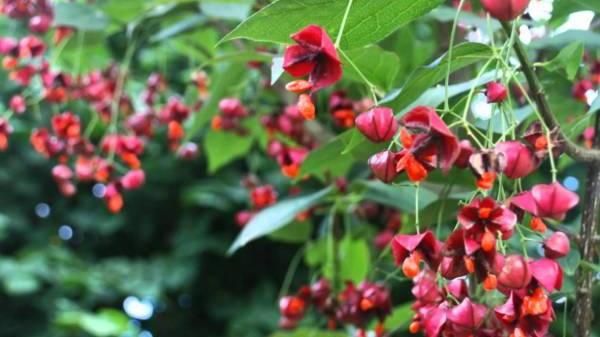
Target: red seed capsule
(505, 10)
(378, 124)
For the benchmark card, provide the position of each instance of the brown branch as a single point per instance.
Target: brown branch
(574, 151)
(587, 244)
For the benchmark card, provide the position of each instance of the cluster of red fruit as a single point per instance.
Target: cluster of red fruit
(356, 305)
(261, 196)
(114, 158)
(444, 306)
(475, 247)
(38, 13)
(428, 143)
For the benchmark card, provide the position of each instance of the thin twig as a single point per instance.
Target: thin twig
(575, 151)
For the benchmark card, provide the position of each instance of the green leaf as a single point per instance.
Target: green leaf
(447, 14)
(108, 322)
(424, 78)
(227, 9)
(221, 147)
(240, 56)
(308, 332)
(179, 27)
(316, 253)
(296, 232)
(337, 157)
(568, 59)
(80, 16)
(83, 52)
(21, 283)
(380, 67)
(570, 263)
(590, 266)
(224, 81)
(401, 316)
(591, 40)
(399, 196)
(275, 217)
(368, 21)
(326, 160)
(435, 96)
(355, 259)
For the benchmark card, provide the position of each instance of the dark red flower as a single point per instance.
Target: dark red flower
(466, 150)
(17, 104)
(232, 107)
(187, 151)
(314, 55)
(505, 10)
(587, 136)
(243, 217)
(8, 45)
(133, 179)
(520, 159)
(5, 131)
(580, 89)
(485, 217)
(357, 305)
(290, 160)
(547, 273)
(383, 166)
(263, 196)
(458, 288)
(66, 125)
(557, 246)
(292, 307)
(320, 293)
(546, 201)
(40, 23)
(467, 317)
(113, 198)
(515, 273)
(410, 250)
(31, 46)
(526, 316)
(537, 138)
(496, 92)
(428, 143)
(378, 124)
(456, 262)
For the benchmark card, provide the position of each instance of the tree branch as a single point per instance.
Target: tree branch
(587, 243)
(575, 151)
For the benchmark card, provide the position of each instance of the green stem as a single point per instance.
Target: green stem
(114, 115)
(343, 25)
(450, 48)
(370, 85)
(289, 275)
(333, 250)
(417, 208)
